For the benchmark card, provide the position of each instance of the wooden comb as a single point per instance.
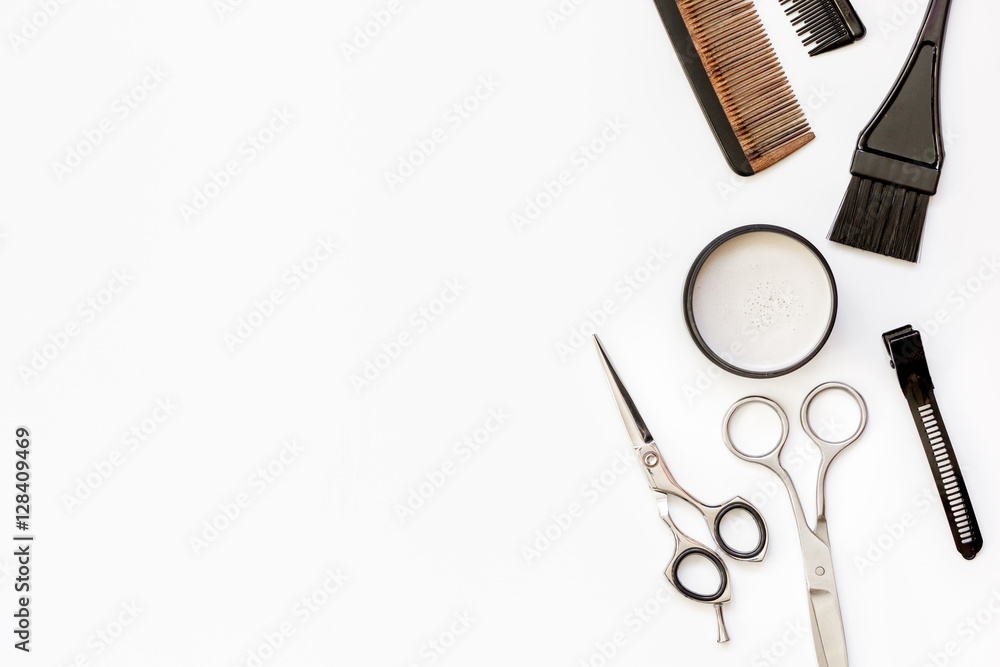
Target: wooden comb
(738, 80)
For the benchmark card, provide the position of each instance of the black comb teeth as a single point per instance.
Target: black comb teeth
(824, 25)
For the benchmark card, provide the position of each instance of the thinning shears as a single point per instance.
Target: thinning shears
(663, 483)
(824, 604)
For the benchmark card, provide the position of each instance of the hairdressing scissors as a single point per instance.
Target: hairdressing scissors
(663, 483)
(824, 604)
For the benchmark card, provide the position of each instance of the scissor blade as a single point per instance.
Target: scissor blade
(634, 425)
(828, 628)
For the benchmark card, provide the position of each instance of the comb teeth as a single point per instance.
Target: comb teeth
(821, 24)
(747, 77)
(945, 473)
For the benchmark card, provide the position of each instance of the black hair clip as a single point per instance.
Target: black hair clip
(906, 355)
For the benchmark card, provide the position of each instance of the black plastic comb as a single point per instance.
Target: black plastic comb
(824, 25)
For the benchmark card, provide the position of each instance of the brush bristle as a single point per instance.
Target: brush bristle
(819, 24)
(747, 77)
(881, 217)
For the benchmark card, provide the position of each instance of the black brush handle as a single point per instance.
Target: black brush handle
(902, 143)
(906, 354)
(935, 23)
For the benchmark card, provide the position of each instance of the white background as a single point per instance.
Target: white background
(661, 184)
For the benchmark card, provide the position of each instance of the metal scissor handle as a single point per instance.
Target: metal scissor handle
(828, 448)
(661, 480)
(772, 458)
(684, 548)
(687, 547)
(824, 604)
(715, 516)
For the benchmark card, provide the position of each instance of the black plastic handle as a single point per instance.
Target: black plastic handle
(902, 143)
(714, 560)
(757, 519)
(935, 22)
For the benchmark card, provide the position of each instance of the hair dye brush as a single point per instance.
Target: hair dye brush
(897, 164)
(738, 80)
